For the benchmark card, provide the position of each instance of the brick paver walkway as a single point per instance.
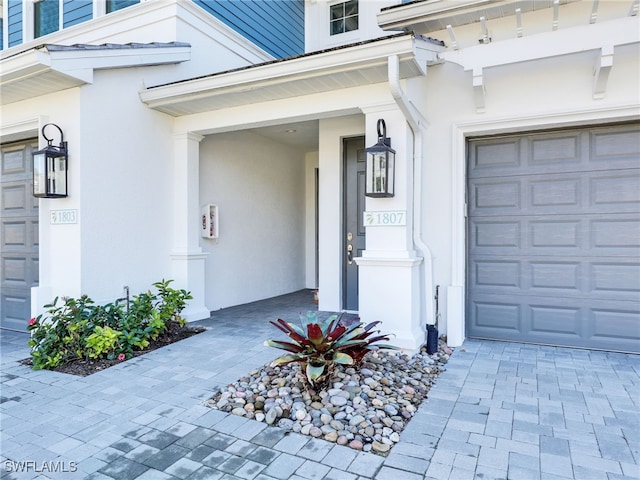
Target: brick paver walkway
(501, 410)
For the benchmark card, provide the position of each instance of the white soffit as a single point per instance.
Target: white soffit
(357, 65)
(52, 68)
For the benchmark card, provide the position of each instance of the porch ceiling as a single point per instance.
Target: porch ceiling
(357, 65)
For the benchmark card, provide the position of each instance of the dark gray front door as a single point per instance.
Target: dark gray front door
(554, 238)
(353, 233)
(18, 235)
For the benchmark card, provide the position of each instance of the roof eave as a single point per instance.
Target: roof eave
(267, 80)
(40, 71)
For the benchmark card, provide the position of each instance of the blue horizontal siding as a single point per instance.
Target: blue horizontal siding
(14, 22)
(276, 26)
(76, 11)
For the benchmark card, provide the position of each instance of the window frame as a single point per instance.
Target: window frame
(344, 17)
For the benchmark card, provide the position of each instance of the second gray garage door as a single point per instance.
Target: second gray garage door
(554, 238)
(18, 235)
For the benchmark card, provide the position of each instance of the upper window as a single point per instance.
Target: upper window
(344, 17)
(46, 17)
(113, 5)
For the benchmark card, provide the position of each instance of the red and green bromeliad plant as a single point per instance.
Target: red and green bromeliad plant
(319, 345)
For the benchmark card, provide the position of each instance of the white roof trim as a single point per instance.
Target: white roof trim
(360, 64)
(40, 71)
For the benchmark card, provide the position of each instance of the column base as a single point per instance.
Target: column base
(188, 273)
(389, 292)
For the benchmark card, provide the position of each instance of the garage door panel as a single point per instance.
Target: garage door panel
(561, 276)
(14, 163)
(618, 192)
(615, 148)
(618, 233)
(614, 323)
(498, 315)
(554, 238)
(495, 155)
(14, 235)
(14, 199)
(15, 308)
(559, 235)
(561, 150)
(497, 273)
(620, 279)
(553, 320)
(547, 193)
(603, 324)
(503, 196)
(14, 271)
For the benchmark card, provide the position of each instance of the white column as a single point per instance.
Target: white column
(188, 259)
(389, 269)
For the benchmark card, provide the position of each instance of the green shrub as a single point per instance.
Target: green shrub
(80, 329)
(102, 342)
(320, 345)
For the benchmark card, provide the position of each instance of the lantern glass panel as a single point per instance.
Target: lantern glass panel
(391, 169)
(39, 174)
(59, 175)
(378, 180)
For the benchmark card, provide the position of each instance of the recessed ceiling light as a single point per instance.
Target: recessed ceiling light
(291, 130)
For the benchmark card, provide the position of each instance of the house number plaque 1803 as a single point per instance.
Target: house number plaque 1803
(63, 217)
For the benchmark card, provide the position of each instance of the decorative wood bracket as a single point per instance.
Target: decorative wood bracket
(479, 90)
(601, 72)
(452, 35)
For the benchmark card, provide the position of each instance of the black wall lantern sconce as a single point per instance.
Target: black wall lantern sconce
(50, 168)
(381, 164)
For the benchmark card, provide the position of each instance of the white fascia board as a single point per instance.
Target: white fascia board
(80, 64)
(403, 16)
(321, 64)
(579, 39)
(70, 60)
(24, 63)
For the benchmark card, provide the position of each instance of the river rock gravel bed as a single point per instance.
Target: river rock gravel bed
(364, 408)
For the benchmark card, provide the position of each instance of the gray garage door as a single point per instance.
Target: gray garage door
(18, 235)
(554, 238)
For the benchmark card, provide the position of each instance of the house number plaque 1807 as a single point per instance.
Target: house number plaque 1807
(385, 218)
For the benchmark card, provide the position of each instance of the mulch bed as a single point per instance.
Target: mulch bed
(83, 368)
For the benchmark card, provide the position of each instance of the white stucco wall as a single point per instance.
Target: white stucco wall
(311, 247)
(259, 187)
(127, 199)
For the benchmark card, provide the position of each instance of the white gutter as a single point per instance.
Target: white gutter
(417, 124)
